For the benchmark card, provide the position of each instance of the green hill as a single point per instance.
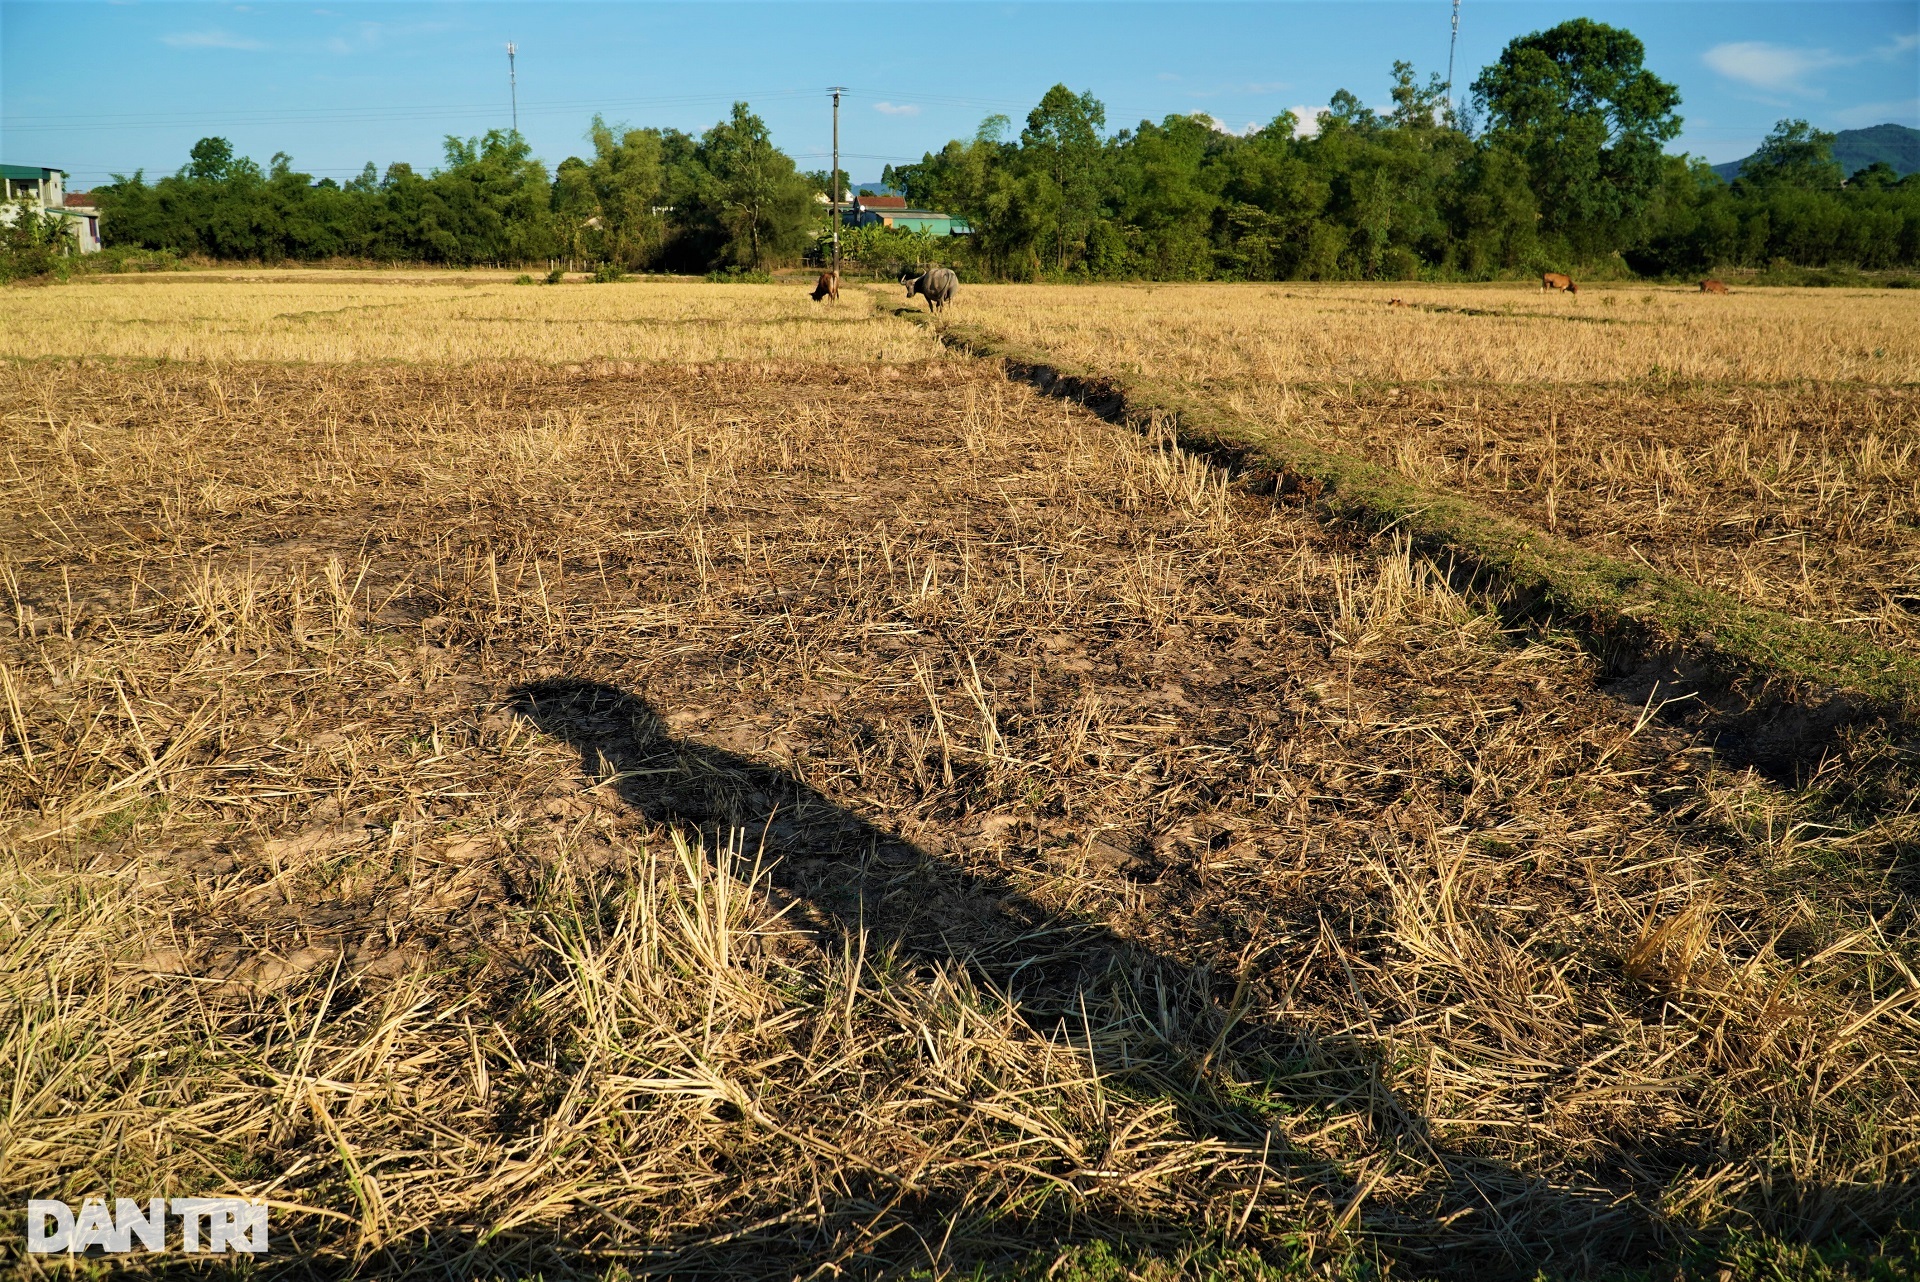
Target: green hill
(1855, 149)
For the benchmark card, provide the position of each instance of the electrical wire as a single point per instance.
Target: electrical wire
(372, 115)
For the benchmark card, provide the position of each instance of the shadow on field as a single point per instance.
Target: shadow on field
(1174, 1020)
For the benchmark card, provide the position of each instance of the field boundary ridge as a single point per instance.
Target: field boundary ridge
(1616, 603)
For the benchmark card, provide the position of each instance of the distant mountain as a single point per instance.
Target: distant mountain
(1855, 149)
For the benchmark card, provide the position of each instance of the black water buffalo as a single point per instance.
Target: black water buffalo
(935, 285)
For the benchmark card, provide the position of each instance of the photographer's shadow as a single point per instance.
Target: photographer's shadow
(1167, 1029)
(851, 876)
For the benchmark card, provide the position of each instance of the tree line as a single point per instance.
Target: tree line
(1555, 159)
(647, 198)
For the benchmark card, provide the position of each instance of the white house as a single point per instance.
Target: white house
(46, 190)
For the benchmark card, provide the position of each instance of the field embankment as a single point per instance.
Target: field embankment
(1797, 502)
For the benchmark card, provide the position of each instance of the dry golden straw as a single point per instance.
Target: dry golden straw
(859, 815)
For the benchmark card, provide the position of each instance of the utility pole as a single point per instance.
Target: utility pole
(513, 86)
(836, 91)
(1452, 40)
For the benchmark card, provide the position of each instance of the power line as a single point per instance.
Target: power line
(368, 115)
(850, 155)
(402, 111)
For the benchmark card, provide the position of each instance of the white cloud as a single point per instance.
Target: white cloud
(1785, 69)
(1901, 111)
(1222, 127)
(1309, 118)
(210, 39)
(1774, 67)
(896, 109)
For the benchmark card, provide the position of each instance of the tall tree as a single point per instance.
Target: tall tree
(492, 200)
(627, 180)
(575, 210)
(210, 159)
(762, 205)
(1576, 103)
(1062, 144)
(1795, 154)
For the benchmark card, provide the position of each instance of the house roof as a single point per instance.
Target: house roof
(881, 202)
(36, 172)
(79, 199)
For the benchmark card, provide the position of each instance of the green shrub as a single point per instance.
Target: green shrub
(739, 276)
(115, 259)
(523, 279)
(608, 274)
(887, 252)
(34, 243)
(555, 276)
(1399, 263)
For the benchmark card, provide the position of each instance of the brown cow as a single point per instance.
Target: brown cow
(1713, 287)
(1554, 280)
(828, 286)
(1396, 302)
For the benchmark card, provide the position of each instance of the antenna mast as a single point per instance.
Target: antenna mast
(1452, 40)
(836, 91)
(513, 86)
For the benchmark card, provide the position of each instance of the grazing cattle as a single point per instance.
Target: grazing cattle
(828, 286)
(1554, 280)
(1713, 287)
(935, 285)
(1396, 302)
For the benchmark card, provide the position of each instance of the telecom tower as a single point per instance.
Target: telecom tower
(1452, 40)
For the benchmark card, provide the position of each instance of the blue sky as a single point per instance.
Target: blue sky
(100, 87)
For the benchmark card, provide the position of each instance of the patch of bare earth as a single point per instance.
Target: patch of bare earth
(741, 820)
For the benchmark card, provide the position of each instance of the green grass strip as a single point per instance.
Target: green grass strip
(1620, 602)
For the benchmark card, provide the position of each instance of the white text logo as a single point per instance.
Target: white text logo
(217, 1224)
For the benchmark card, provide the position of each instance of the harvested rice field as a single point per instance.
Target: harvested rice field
(1803, 498)
(441, 317)
(1764, 444)
(1294, 332)
(753, 815)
